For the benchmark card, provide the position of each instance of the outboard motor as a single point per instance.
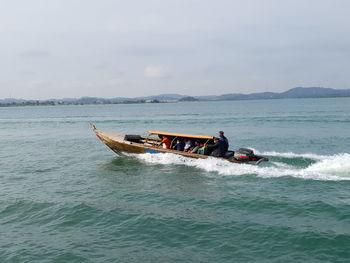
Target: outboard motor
(247, 155)
(244, 154)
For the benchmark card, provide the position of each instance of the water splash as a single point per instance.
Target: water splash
(335, 167)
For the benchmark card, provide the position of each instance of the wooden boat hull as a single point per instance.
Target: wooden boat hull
(117, 143)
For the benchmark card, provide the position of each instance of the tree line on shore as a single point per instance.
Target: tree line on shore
(57, 103)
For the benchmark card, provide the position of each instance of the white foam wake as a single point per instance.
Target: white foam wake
(336, 167)
(293, 155)
(336, 164)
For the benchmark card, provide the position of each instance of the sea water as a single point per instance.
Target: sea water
(66, 197)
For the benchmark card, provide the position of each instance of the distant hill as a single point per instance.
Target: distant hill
(188, 98)
(314, 92)
(299, 92)
(162, 97)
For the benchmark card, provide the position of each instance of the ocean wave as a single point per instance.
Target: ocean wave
(335, 167)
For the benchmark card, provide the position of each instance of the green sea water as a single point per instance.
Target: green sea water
(65, 197)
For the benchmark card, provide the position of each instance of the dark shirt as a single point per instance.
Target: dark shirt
(223, 144)
(220, 148)
(180, 146)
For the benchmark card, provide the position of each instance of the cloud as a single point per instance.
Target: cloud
(182, 46)
(153, 72)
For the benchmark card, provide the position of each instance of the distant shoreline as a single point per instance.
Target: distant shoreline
(53, 103)
(294, 93)
(29, 104)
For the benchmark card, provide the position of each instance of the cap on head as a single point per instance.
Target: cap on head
(221, 132)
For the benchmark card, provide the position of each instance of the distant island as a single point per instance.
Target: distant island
(299, 92)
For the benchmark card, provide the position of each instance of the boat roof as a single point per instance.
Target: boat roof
(181, 135)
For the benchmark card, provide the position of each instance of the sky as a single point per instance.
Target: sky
(111, 48)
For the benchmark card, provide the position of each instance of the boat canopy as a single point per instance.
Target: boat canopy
(182, 135)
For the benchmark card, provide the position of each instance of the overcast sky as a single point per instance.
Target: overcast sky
(112, 48)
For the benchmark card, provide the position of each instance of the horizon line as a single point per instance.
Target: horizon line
(164, 94)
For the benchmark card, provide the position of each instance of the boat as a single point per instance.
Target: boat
(122, 144)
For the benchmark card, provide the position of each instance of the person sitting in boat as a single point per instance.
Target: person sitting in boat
(199, 148)
(180, 145)
(188, 145)
(210, 148)
(165, 141)
(196, 147)
(220, 147)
